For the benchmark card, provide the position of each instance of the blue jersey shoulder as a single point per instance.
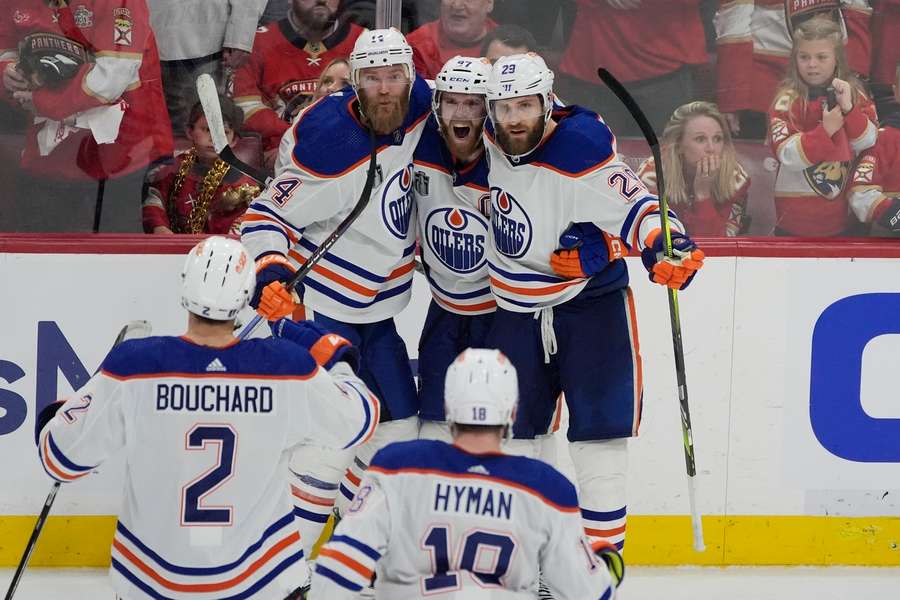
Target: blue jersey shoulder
(441, 458)
(269, 357)
(329, 139)
(581, 142)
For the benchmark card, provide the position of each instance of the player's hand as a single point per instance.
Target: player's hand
(678, 271)
(270, 298)
(584, 251)
(234, 58)
(843, 92)
(326, 348)
(14, 80)
(832, 120)
(887, 217)
(614, 561)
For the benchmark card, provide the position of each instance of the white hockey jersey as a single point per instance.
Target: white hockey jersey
(435, 521)
(207, 512)
(452, 207)
(367, 275)
(574, 176)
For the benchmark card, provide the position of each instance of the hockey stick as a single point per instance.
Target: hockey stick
(619, 90)
(209, 99)
(325, 246)
(131, 330)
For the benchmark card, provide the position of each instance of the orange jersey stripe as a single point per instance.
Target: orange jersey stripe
(543, 291)
(638, 363)
(347, 561)
(605, 533)
(307, 497)
(490, 304)
(211, 376)
(207, 587)
(48, 460)
(258, 217)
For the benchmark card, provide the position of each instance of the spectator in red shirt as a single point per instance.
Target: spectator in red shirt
(649, 46)
(459, 32)
(287, 58)
(199, 193)
(89, 75)
(705, 184)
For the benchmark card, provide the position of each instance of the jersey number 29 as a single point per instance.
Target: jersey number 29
(224, 438)
(446, 576)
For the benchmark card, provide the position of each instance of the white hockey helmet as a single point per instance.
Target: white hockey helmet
(218, 279)
(481, 388)
(461, 75)
(380, 48)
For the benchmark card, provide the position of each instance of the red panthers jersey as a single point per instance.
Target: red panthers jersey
(281, 66)
(122, 75)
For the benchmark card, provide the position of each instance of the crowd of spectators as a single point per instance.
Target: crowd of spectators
(768, 110)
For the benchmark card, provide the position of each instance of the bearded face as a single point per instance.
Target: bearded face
(384, 97)
(461, 120)
(519, 124)
(318, 15)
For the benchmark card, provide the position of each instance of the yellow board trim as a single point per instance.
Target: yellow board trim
(83, 541)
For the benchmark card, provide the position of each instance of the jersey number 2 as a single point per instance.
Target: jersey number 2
(437, 542)
(192, 494)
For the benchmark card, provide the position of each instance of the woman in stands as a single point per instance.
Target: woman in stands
(819, 122)
(705, 184)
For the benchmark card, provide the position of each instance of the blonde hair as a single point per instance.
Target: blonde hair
(678, 190)
(335, 61)
(814, 29)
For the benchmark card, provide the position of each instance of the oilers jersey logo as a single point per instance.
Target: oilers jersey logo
(510, 223)
(397, 202)
(457, 238)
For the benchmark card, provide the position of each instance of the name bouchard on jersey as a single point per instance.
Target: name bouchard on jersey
(473, 500)
(221, 398)
(510, 223)
(457, 238)
(397, 202)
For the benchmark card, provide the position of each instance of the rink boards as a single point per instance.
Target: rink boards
(791, 365)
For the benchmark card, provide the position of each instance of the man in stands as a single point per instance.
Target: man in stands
(288, 57)
(459, 32)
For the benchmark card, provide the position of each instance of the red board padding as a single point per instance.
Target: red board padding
(114, 243)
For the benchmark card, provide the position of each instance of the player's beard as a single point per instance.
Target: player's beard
(316, 20)
(519, 146)
(385, 116)
(466, 146)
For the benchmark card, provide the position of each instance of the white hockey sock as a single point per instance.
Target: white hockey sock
(314, 476)
(601, 469)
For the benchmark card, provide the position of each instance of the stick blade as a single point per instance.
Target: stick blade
(209, 99)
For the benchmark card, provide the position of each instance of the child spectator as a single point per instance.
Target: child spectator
(875, 187)
(753, 40)
(816, 138)
(705, 184)
(199, 193)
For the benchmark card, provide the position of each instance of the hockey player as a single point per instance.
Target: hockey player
(452, 201)
(366, 277)
(465, 520)
(204, 423)
(565, 319)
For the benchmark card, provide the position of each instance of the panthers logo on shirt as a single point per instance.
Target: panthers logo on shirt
(827, 178)
(397, 202)
(457, 237)
(511, 225)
